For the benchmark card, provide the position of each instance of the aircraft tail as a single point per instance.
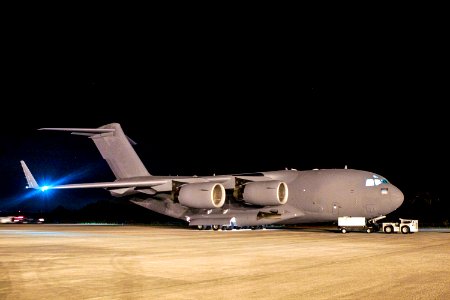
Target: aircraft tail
(115, 147)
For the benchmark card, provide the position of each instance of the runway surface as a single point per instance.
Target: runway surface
(40, 261)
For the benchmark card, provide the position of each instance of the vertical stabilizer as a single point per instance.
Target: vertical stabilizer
(115, 148)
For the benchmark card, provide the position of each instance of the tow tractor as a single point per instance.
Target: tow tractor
(404, 226)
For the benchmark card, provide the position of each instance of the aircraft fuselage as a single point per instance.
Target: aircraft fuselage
(314, 196)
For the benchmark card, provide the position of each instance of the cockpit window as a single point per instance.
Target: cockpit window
(370, 182)
(375, 181)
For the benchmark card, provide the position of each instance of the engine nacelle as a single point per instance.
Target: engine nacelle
(271, 192)
(202, 195)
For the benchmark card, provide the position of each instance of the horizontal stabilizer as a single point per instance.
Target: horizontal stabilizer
(75, 130)
(83, 131)
(30, 179)
(87, 131)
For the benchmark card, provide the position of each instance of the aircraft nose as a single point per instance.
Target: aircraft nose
(397, 197)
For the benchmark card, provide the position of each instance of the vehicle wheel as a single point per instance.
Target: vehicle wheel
(388, 229)
(344, 230)
(215, 227)
(200, 227)
(405, 229)
(369, 230)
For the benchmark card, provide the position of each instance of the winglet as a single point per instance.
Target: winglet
(30, 179)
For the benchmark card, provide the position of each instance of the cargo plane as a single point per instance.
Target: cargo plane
(249, 200)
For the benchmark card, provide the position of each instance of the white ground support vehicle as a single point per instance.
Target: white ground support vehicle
(404, 226)
(358, 223)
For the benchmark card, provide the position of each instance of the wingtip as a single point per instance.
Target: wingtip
(29, 177)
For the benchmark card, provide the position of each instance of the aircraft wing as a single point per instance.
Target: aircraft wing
(137, 183)
(112, 184)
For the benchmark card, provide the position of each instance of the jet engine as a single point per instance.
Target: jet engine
(271, 192)
(202, 195)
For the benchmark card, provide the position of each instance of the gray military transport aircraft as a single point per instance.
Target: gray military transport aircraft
(248, 200)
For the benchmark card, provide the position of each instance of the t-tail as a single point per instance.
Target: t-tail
(115, 147)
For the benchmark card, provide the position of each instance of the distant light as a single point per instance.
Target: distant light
(44, 188)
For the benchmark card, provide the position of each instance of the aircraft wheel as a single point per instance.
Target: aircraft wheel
(405, 229)
(343, 230)
(388, 229)
(215, 227)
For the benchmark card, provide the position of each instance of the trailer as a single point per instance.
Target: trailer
(404, 226)
(347, 223)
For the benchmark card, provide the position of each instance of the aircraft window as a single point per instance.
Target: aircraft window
(376, 181)
(370, 182)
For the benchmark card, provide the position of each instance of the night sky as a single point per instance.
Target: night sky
(225, 108)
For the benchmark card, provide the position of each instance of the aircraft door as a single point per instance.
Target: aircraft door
(346, 205)
(335, 209)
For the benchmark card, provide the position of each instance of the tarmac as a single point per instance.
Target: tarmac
(44, 261)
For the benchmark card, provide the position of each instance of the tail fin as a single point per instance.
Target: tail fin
(115, 147)
(32, 184)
